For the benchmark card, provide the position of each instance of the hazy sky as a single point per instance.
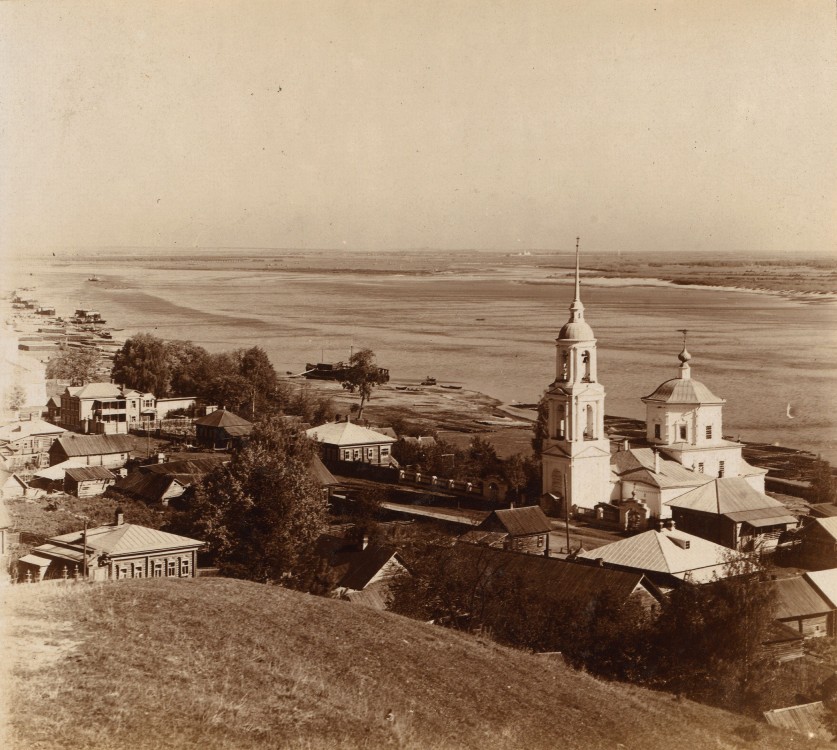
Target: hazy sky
(640, 125)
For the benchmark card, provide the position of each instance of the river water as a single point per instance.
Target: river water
(487, 325)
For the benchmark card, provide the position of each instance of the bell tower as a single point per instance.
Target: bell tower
(576, 451)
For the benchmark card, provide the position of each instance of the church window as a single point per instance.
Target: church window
(709, 432)
(589, 433)
(682, 429)
(557, 485)
(720, 468)
(585, 361)
(658, 431)
(565, 366)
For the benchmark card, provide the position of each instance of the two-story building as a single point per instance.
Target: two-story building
(105, 408)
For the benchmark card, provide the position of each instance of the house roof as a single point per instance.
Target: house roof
(727, 495)
(94, 445)
(683, 391)
(7, 477)
(188, 471)
(523, 521)
(87, 473)
(124, 538)
(809, 719)
(347, 433)
(496, 539)
(225, 419)
(638, 465)
(28, 427)
(320, 474)
(559, 580)
(57, 471)
(97, 390)
(824, 510)
(147, 486)
(796, 597)
(355, 567)
(778, 632)
(665, 551)
(828, 525)
(825, 583)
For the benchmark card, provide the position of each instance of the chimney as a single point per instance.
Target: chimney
(119, 517)
(670, 524)
(626, 444)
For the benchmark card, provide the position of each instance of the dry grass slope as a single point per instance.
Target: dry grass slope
(217, 663)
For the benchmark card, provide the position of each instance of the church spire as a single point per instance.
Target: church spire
(576, 308)
(684, 357)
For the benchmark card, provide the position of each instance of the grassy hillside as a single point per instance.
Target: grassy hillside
(218, 663)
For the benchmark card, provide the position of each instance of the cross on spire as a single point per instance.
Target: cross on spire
(576, 308)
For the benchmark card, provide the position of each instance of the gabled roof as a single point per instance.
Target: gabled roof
(87, 473)
(825, 583)
(97, 390)
(147, 486)
(683, 391)
(827, 525)
(12, 478)
(638, 465)
(558, 580)
(28, 427)
(57, 471)
(189, 471)
(728, 495)
(347, 433)
(809, 719)
(94, 445)
(123, 539)
(354, 566)
(523, 521)
(824, 510)
(320, 474)
(667, 551)
(796, 597)
(223, 418)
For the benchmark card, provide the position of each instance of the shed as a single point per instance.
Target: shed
(112, 451)
(800, 606)
(525, 529)
(85, 481)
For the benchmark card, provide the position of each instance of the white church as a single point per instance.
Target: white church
(685, 447)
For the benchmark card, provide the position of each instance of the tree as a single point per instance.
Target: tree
(541, 427)
(363, 375)
(142, 364)
(79, 366)
(15, 398)
(823, 486)
(255, 368)
(262, 511)
(514, 472)
(189, 367)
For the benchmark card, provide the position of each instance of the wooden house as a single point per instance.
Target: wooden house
(817, 545)
(524, 529)
(86, 481)
(11, 485)
(783, 643)
(105, 408)
(667, 556)
(115, 551)
(358, 571)
(111, 451)
(349, 442)
(800, 606)
(825, 584)
(25, 444)
(158, 484)
(221, 430)
(731, 512)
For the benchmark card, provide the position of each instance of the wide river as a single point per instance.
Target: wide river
(488, 325)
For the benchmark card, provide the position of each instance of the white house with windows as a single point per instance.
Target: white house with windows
(351, 443)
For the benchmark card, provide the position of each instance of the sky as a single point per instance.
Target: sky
(368, 125)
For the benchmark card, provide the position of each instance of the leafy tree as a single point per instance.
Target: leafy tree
(142, 364)
(481, 458)
(15, 398)
(541, 427)
(363, 375)
(262, 511)
(79, 366)
(514, 472)
(823, 486)
(255, 368)
(189, 365)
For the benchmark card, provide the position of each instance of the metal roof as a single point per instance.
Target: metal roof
(148, 486)
(825, 582)
(94, 445)
(666, 551)
(763, 517)
(795, 597)
(87, 473)
(26, 428)
(347, 433)
(828, 525)
(638, 465)
(125, 538)
(56, 471)
(223, 418)
(683, 391)
(41, 562)
(98, 390)
(726, 495)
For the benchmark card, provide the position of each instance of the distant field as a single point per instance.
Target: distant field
(218, 663)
